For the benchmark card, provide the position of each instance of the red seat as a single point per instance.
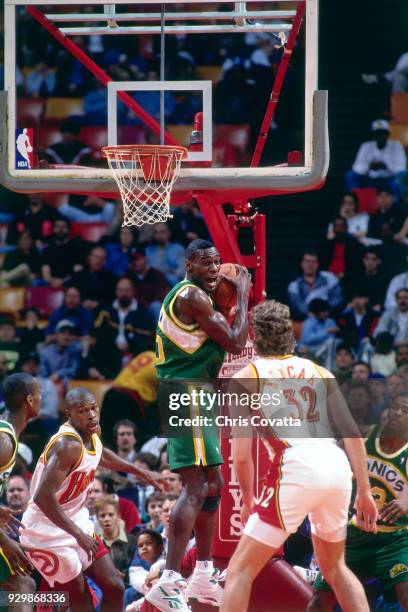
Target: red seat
(45, 299)
(236, 135)
(30, 111)
(367, 198)
(92, 232)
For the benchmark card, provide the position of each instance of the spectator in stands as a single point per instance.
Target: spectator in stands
(63, 255)
(70, 150)
(173, 481)
(23, 265)
(118, 253)
(24, 460)
(125, 327)
(358, 321)
(343, 363)
(150, 284)
(150, 102)
(41, 81)
(395, 320)
(31, 335)
(153, 510)
(400, 281)
(17, 495)
(122, 546)
(371, 280)
(47, 422)
(395, 386)
(318, 333)
(313, 284)
(360, 371)
(387, 213)
(95, 283)
(95, 106)
(60, 359)
(394, 255)
(377, 384)
(359, 401)
(341, 253)
(10, 345)
(132, 396)
(398, 77)
(357, 223)
(104, 485)
(380, 162)
(188, 223)
(141, 490)
(126, 439)
(37, 218)
(149, 550)
(89, 209)
(382, 361)
(166, 256)
(73, 311)
(401, 355)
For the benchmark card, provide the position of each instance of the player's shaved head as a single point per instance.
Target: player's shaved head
(78, 397)
(16, 388)
(194, 248)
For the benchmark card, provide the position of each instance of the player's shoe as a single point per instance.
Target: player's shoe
(135, 606)
(169, 596)
(205, 587)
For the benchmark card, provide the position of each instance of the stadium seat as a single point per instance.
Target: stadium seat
(12, 300)
(48, 136)
(181, 133)
(91, 232)
(45, 299)
(399, 107)
(62, 108)
(30, 111)
(95, 136)
(399, 131)
(236, 135)
(209, 73)
(367, 199)
(97, 387)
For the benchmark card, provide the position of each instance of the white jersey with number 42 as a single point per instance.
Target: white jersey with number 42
(298, 412)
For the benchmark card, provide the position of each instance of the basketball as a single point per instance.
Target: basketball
(29, 149)
(225, 294)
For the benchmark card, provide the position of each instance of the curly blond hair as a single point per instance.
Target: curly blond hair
(273, 329)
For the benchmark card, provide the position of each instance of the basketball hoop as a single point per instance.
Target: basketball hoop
(145, 175)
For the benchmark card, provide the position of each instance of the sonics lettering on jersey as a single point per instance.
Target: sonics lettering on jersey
(78, 482)
(387, 474)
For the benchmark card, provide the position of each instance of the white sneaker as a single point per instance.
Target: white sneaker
(309, 575)
(135, 606)
(169, 596)
(205, 588)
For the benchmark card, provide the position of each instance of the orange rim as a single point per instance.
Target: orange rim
(128, 151)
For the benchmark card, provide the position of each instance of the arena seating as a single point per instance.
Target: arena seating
(45, 299)
(12, 300)
(399, 107)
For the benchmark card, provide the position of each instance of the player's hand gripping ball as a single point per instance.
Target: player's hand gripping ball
(225, 294)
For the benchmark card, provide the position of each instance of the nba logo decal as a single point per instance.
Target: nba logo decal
(24, 148)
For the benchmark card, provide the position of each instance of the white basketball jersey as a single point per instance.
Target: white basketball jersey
(298, 413)
(72, 493)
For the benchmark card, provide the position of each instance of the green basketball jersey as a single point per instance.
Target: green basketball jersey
(184, 351)
(5, 470)
(388, 475)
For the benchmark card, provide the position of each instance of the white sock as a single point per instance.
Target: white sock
(204, 566)
(170, 575)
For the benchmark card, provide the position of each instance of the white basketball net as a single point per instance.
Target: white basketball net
(145, 176)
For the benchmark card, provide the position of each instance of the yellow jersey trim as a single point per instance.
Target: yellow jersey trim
(173, 315)
(383, 453)
(12, 435)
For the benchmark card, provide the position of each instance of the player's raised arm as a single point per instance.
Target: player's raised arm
(63, 457)
(112, 461)
(194, 303)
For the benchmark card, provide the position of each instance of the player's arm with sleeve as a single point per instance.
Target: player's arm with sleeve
(195, 304)
(8, 523)
(62, 459)
(112, 461)
(339, 413)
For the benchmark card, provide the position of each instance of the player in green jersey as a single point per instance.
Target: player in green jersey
(192, 339)
(383, 555)
(22, 398)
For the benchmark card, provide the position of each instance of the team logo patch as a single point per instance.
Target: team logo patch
(399, 568)
(46, 561)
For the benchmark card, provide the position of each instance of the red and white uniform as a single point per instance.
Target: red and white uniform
(54, 552)
(309, 474)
